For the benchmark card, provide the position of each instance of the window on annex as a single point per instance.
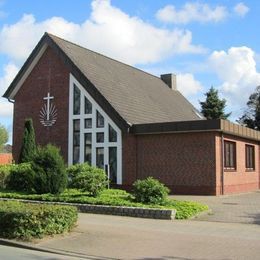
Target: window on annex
(250, 157)
(88, 106)
(100, 157)
(229, 155)
(112, 135)
(76, 100)
(76, 140)
(100, 120)
(88, 146)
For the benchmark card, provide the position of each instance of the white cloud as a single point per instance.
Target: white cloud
(236, 68)
(108, 30)
(6, 108)
(241, 9)
(191, 12)
(188, 85)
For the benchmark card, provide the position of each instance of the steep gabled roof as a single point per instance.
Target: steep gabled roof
(129, 95)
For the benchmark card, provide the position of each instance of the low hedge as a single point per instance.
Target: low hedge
(26, 221)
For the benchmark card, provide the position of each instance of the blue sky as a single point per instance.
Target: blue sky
(204, 42)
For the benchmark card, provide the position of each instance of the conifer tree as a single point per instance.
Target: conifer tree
(3, 137)
(213, 107)
(251, 117)
(28, 148)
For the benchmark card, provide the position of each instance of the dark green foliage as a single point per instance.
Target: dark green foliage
(26, 221)
(49, 168)
(251, 117)
(185, 209)
(21, 178)
(28, 149)
(3, 137)
(87, 178)
(149, 191)
(4, 174)
(213, 107)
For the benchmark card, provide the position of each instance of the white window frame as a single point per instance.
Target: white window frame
(92, 130)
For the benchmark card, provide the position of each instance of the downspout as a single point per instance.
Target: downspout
(222, 165)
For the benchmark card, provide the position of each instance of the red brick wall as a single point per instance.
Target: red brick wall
(5, 158)
(184, 162)
(29, 101)
(239, 180)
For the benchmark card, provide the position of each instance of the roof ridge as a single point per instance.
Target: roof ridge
(100, 54)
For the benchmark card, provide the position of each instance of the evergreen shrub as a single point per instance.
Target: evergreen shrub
(150, 191)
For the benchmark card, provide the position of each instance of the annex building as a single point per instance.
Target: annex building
(131, 123)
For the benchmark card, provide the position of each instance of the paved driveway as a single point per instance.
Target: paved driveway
(242, 208)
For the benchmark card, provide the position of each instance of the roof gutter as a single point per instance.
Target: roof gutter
(10, 100)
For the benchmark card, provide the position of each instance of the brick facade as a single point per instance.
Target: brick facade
(49, 75)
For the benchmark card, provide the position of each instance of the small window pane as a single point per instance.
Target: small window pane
(229, 155)
(112, 134)
(88, 106)
(88, 146)
(75, 154)
(113, 164)
(100, 137)
(88, 123)
(250, 157)
(100, 120)
(100, 157)
(76, 125)
(76, 100)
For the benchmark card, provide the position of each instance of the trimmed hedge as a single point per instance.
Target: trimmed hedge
(4, 174)
(26, 221)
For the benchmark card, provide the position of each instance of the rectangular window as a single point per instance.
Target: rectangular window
(112, 135)
(229, 155)
(100, 137)
(76, 100)
(88, 123)
(113, 164)
(100, 157)
(88, 106)
(76, 140)
(250, 157)
(88, 146)
(100, 120)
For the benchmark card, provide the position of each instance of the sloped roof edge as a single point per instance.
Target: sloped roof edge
(92, 90)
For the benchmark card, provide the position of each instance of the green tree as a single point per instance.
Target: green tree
(28, 148)
(3, 137)
(214, 107)
(251, 116)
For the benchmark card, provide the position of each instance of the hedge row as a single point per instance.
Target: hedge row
(26, 221)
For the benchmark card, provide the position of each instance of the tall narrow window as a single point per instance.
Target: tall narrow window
(88, 146)
(250, 157)
(229, 155)
(88, 106)
(100, 120)
(100, 157)
(113, 163)
(112, 135)
(76, 100)
(76, 140)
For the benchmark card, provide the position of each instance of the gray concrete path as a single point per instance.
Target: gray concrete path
(239, 208)
(132, 238)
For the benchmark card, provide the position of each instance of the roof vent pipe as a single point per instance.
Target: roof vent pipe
(170, 80)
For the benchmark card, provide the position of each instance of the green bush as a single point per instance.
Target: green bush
(50, 172)
(26, 221)
(87, 178)
(21, 178)
(150, 191)
(4, 174)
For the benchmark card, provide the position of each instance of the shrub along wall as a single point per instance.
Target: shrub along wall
(26, 221)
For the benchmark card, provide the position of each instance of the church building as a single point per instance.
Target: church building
(129, 122)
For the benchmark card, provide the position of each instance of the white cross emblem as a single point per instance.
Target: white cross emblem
(48, 113)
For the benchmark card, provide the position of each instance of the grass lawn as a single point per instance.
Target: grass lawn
(112, 197)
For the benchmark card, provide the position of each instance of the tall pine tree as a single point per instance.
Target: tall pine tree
(214, 107)
(28, 148)
(251, 117)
